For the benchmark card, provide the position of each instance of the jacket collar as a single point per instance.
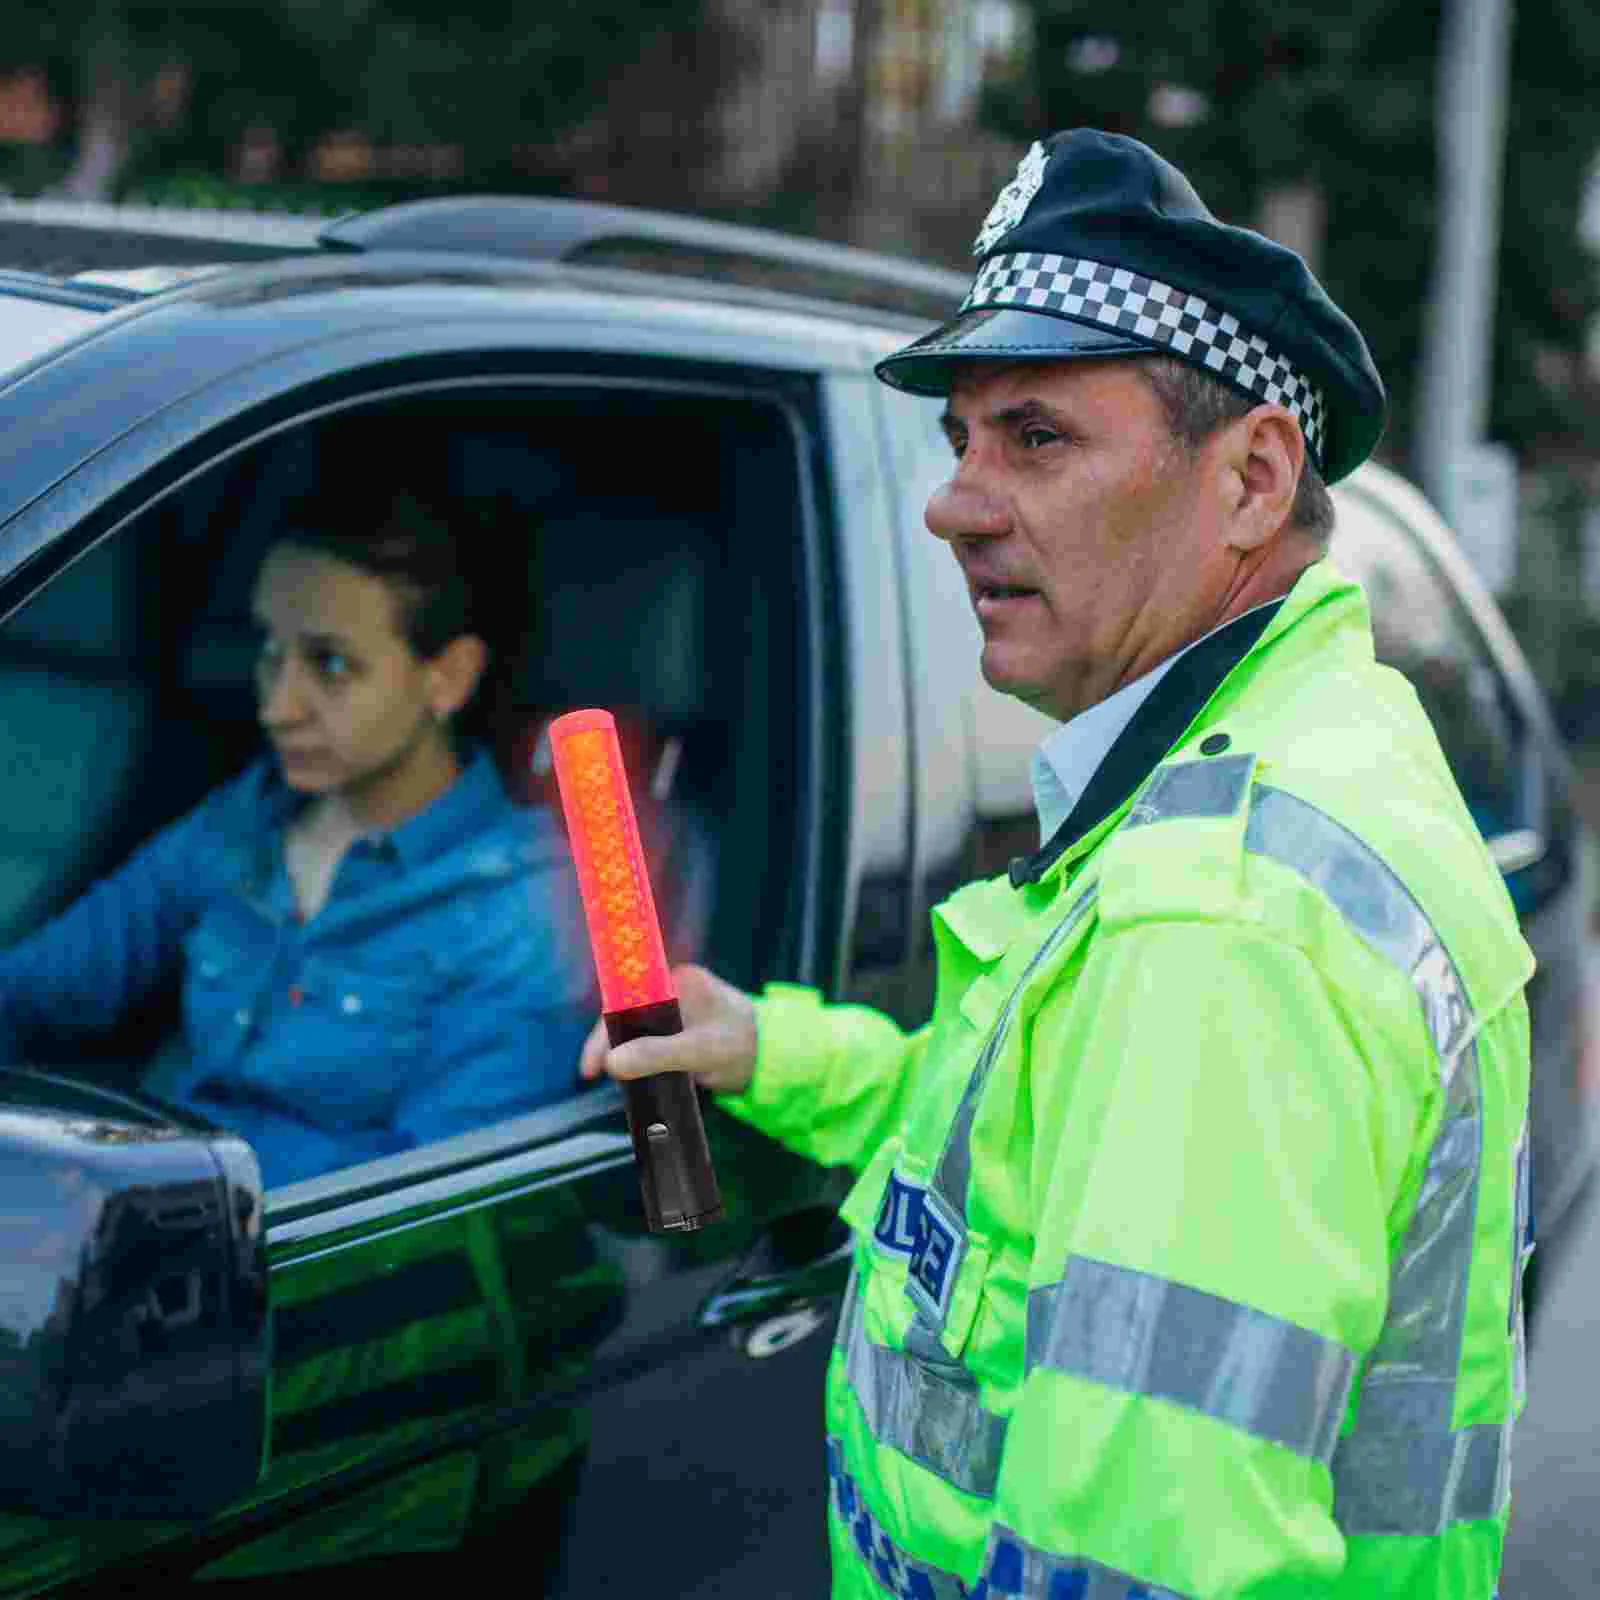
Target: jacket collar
(1171, 709)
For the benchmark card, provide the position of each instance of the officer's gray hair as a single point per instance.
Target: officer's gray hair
(1197, 404)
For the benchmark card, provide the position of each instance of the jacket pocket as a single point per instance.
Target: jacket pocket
(920, 1248)
(946, 1279)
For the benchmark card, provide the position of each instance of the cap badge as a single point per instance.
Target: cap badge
(1011, 204)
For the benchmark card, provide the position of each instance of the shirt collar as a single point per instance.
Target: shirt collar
(1070, 755)
(459, 812)
(1066, 760)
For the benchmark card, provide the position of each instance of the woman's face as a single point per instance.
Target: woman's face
(348, 705)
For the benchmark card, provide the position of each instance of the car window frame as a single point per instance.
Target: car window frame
(801, 953)
(582, 1137)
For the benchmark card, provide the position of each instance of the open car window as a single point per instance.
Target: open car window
(648, 546)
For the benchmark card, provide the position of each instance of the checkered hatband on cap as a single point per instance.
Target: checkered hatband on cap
(1145, 308)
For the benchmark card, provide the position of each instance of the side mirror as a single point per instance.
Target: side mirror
(134, 1354)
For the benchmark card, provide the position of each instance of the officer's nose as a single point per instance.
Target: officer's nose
(964, 507)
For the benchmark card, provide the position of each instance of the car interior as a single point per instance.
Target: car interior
(618, 526)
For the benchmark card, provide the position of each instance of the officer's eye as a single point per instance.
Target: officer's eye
(331, 664)
(1036, 437)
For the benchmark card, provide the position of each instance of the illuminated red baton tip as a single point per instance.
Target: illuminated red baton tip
(676, 1178)
(617, 903)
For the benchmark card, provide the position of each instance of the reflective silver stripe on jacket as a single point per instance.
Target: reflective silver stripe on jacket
(1524, 1249)
(948, 1191)
(1193, 789)
(1013, 1567)
(1372, 900)
(923, 1404)
(1403, 1469)
(951, 1176)
(1146, 1335)
(897, 1573)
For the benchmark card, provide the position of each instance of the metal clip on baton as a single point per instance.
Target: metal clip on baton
(636, 993)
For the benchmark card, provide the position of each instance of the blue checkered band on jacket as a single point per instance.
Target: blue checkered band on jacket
(1114, 297)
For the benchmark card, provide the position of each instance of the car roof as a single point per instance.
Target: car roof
(63, 265)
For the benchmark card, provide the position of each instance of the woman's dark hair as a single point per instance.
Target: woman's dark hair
(441, 560)
(425, 556)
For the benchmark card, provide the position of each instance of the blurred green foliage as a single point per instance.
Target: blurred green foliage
(26, 169)
(1341, 94)
(208, 191)
(503, 83)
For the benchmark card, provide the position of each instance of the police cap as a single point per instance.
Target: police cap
(1100, 248)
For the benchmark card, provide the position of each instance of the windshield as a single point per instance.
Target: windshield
(30, 327)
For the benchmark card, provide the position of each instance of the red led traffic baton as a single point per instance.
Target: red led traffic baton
(636, 993)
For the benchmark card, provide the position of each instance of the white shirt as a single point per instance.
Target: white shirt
(1068, 758)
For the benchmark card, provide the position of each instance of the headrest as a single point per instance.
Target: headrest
(218, 667)
(623, 616)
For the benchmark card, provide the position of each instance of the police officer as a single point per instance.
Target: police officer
(1190, 1228)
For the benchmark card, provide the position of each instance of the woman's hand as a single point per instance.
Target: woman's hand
(717, 1045)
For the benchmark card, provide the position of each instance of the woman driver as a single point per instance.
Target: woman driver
(376, 947)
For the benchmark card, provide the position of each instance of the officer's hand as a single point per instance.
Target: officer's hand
(717, 1045)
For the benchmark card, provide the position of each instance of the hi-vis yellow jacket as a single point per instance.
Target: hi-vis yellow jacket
(1190, 1229)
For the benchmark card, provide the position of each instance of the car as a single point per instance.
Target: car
(715, 509)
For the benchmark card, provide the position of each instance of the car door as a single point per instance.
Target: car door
(441, 1315)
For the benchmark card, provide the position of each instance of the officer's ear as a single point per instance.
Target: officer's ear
(1258, 464)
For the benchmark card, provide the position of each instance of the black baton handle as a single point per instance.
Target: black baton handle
(676, 1177)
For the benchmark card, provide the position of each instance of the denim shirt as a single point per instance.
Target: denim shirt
(444, 984)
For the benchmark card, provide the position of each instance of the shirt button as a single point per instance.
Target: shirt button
(1215, 744)
(242, 1017)
(350, 1004)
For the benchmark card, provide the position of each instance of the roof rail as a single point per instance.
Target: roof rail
(552, 229)
(41, 286)
(269, 229)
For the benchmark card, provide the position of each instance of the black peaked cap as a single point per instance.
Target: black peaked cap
(1100, 248)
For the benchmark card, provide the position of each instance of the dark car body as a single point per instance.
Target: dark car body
(718, 514)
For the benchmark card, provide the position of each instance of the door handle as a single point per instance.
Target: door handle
(1517, 849)
(771, 1281)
